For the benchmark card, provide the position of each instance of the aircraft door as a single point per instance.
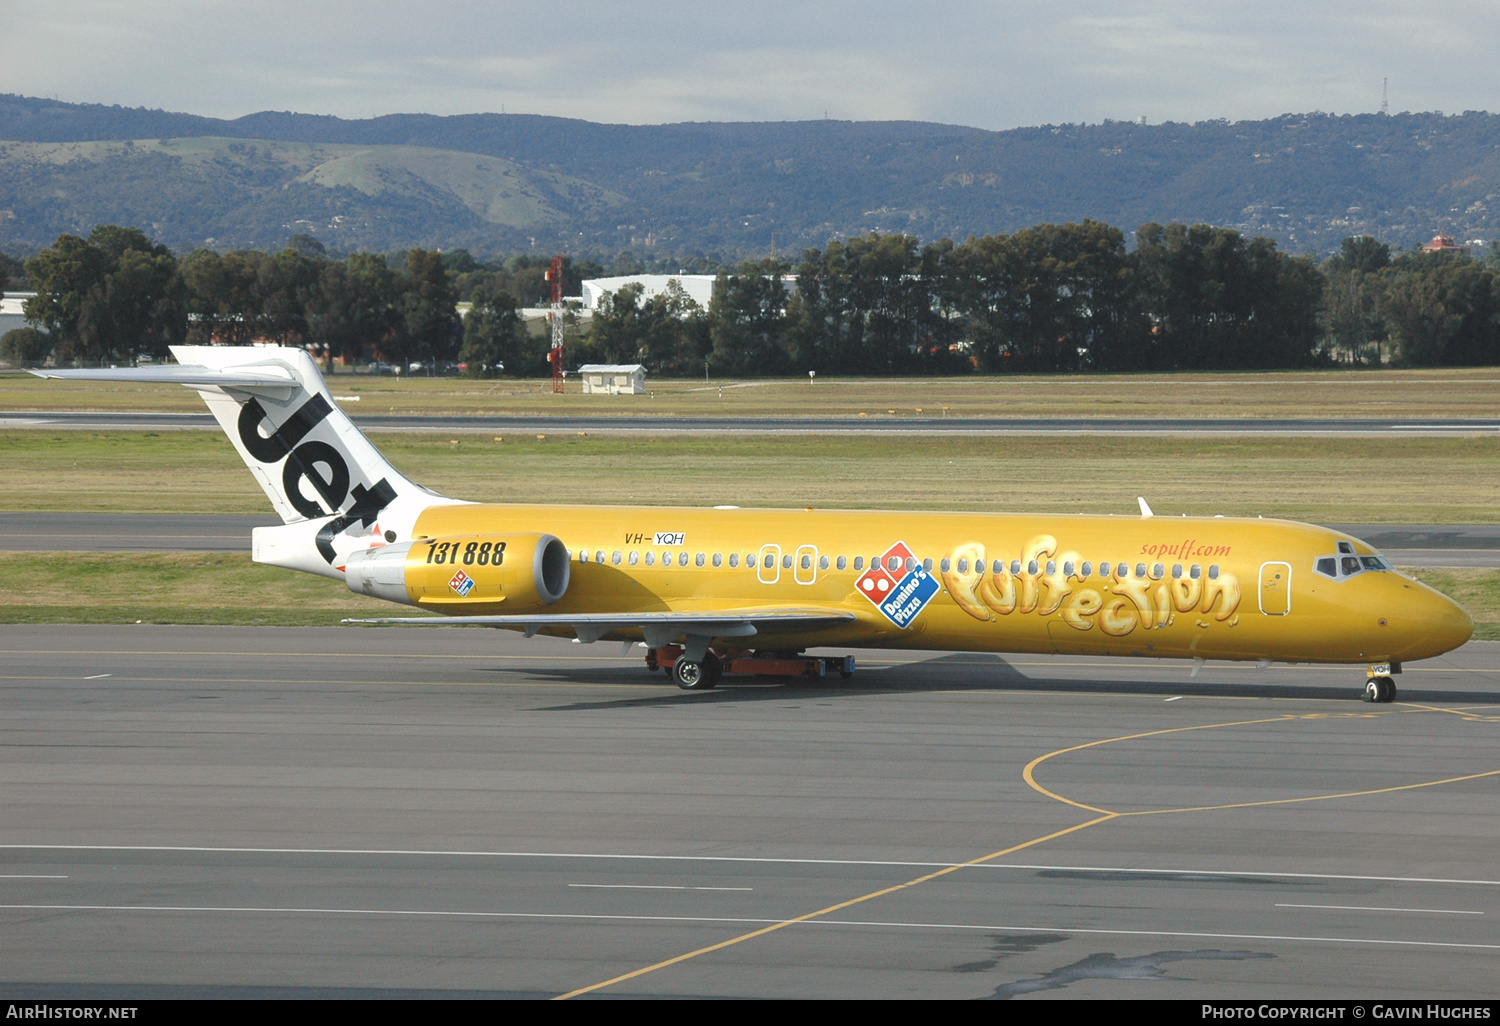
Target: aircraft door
(1276, 588)
(768, 564)
(805, 568)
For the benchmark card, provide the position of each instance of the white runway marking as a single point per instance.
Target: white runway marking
(99, 676)
(1381, 908)
(654, 887)
(30, 876)
(744, 921)
(1174, 698)
(766, 860)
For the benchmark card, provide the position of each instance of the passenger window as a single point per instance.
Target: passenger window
(1140, 570)
(1213, 572)
(1103, 569)
(699, 559)
(650, 559)
(806, 562)
(1196, 572)
(1157, 571)
(927, 565)
(843, 562)
(859, 562)
(734, 559)
(1086, 570)
(1032, 568)
(583, 555)
(894, 563)
(1328, 566)
(786, 561)
(635, 557)
(1068, 568)
(614, 557)
(998, 566)
(682, 559)
(1176, 571)
(770, 560)
(963, 565)
(718, 559)
(749, 560)
(599, 557)
(822, 562)
(1015, 566)
(1051, 567)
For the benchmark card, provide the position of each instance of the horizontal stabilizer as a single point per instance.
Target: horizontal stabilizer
(277, 380)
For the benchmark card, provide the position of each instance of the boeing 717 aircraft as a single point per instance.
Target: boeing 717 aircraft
(719, 590)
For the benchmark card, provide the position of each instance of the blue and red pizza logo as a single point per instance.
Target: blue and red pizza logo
(462, 583)
(898, 585)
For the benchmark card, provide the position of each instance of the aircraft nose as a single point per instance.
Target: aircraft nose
(1436, 624)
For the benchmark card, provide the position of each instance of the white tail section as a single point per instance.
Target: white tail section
(333, 488)
(335, 491)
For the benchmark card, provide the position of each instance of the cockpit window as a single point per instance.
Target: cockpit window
(1349, 565)
(1346, 549)
(1374, 563)
(1328, 566)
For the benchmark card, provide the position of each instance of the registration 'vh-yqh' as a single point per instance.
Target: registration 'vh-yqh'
(719, 590)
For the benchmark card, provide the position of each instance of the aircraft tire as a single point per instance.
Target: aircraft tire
(1387, 688)
(1372, 690)
(691, 676)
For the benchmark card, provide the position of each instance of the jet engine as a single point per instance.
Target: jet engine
(477, 573)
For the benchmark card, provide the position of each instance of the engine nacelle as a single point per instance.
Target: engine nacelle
(479, 573)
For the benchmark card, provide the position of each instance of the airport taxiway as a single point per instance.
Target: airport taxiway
(356, 811)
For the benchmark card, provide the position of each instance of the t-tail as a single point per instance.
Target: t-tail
(336, 493)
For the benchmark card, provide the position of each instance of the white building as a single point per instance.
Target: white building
(613, 378)
(11, 314)
(699, 287)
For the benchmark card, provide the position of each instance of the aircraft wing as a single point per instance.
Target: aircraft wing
(658, 627)
(264, 378)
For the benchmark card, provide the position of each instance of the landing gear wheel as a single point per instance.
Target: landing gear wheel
(1380, 689)
(691, 676)
(1372, 691)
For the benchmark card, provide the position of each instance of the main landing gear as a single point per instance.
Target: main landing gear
(1379, 687)
(702, 675)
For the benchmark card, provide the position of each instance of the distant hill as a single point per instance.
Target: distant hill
(503, 183)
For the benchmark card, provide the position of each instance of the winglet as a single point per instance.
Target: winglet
(1145, 509)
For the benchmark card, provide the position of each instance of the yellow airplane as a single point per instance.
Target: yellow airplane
(725, 589)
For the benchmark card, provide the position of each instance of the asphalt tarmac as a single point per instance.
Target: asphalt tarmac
(1397, 427)
(1425, 545)
(209, 811)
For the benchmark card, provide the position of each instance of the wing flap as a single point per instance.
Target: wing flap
(658, 627)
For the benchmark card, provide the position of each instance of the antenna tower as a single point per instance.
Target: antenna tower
(555, 317)
(1385, 100)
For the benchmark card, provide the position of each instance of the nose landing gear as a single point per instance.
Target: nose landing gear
(1379, 687)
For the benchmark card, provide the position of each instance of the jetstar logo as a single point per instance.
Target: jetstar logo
(898, 585)
(316, 463)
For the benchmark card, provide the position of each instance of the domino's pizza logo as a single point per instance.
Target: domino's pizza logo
(898, 585)
(461, 583)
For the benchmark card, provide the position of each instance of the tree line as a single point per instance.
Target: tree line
(1049, 298)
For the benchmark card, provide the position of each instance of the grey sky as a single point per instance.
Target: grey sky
(991, 65)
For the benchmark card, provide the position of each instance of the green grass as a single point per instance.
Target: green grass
(1455, 392)
(1322, 480)
(179, 587)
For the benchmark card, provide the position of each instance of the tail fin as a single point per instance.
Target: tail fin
(331, 486)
